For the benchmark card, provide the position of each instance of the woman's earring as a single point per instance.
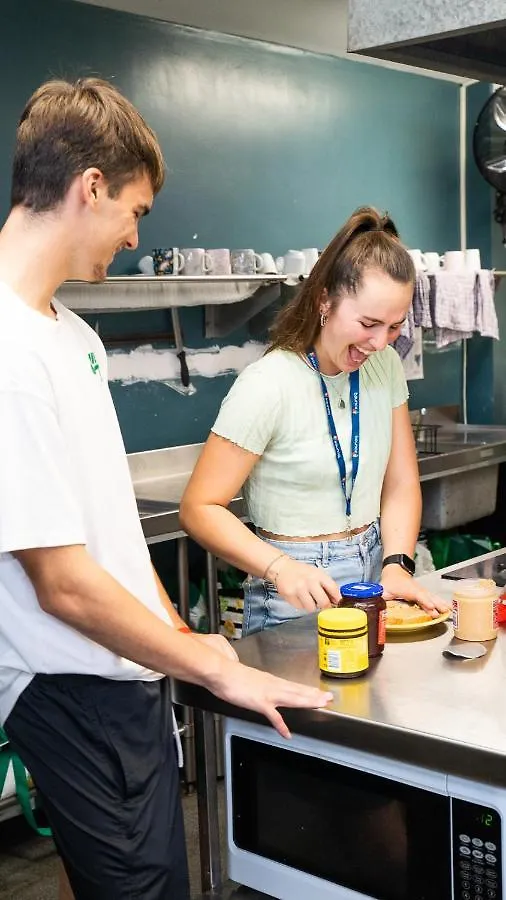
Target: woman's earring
(323, 319)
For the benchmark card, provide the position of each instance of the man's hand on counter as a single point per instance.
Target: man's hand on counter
(399, 585)
(263, 693)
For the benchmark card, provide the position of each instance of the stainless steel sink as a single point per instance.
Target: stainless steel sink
(459, 480)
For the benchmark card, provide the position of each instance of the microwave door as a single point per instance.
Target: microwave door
(377, 837)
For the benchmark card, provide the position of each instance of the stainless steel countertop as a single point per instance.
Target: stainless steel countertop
(413, 705)
(160, 476)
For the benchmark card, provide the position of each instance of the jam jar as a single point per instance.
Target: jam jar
(368, 596)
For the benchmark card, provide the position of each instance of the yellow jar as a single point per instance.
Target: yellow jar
(342, 642)
(475, 603)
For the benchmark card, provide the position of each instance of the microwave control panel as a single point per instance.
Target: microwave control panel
(477, 856)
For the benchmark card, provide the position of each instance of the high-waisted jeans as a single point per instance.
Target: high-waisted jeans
(355, 559)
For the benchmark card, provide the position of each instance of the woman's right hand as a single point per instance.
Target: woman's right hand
(304, 586)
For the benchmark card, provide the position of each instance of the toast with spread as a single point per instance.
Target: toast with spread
(401, 612)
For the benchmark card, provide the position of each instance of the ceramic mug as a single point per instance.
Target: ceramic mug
(292, 263)
(220, 261)
(246, 262)
(472, 260)
(454, 261)
(418, 260)
(268, 264)
(167, 261)
(311, 255)
(433, 262)
(145, 265)
(196, 261)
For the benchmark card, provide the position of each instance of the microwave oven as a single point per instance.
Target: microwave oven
(312, 820)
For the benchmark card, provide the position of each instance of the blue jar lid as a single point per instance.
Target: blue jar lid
(357, 590)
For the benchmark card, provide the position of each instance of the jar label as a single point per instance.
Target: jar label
(475, 618)
(343, 656)
(382, 626)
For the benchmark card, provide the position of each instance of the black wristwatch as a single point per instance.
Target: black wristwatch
(402, 560)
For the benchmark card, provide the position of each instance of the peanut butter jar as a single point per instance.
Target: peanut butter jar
(475, 605)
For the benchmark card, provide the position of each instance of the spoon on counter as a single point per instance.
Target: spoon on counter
(470, 650)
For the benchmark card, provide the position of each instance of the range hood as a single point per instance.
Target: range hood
(462, 37)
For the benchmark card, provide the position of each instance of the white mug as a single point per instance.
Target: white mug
(454, 261)
(146, 266)
(196, 261)
(220, 261)
(246, 262)
(292, 263)
(268, 264)
(418, 260)
(432, 261)
(472, 260)
(311, 255)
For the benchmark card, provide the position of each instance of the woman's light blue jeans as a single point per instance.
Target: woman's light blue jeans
(358, 559)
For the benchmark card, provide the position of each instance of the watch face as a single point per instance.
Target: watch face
(401, 559)
(407, 563)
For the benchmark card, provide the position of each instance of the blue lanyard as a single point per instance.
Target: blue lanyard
(355, 429)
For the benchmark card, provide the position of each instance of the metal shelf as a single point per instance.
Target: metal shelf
(143, 292)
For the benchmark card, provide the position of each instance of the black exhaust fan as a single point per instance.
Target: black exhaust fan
(489, 148)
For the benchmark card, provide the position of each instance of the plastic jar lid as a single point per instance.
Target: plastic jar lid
(361, 590)
(475, 588)
(342, 619)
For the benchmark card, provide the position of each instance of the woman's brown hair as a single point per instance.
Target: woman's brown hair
(68, 127)
(367, 240)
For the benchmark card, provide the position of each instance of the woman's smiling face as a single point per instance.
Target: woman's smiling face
(362, 323)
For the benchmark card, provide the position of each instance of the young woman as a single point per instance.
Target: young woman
(317, 434)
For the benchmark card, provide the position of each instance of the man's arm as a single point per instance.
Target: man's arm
(216, 641)
(71, 586)
(174, 616)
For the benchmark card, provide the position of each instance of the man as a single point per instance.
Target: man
(86, 629)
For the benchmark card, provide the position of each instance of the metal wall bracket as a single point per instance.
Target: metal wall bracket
(222, 320)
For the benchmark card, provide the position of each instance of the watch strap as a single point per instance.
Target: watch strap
(400, 559)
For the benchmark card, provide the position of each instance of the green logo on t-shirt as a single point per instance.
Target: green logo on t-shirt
(95, 367)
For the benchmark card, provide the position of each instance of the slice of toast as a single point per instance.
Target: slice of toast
(400, 612)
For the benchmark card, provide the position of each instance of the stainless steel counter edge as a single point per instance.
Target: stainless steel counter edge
(407, 746)
(473, 457)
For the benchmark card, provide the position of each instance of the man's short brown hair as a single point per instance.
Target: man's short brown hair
(67, 128)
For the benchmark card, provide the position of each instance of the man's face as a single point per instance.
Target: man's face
(113, 226)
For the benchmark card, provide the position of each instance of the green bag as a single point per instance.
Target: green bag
(8, 756)
(449, 547)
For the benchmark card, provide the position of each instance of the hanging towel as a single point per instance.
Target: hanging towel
(421, 301)
(404, 343)
(452, 305)
(486, 317)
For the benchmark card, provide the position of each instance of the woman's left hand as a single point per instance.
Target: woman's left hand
(399, 585)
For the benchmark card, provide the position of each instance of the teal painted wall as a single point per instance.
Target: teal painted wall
(480, 351)
(499, 357)
(266, 147)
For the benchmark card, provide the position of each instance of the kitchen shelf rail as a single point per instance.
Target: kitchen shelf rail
(122, 293)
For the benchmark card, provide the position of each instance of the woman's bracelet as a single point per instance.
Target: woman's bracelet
(269, 567)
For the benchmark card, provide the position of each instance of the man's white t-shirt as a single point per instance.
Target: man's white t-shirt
(64, 479)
